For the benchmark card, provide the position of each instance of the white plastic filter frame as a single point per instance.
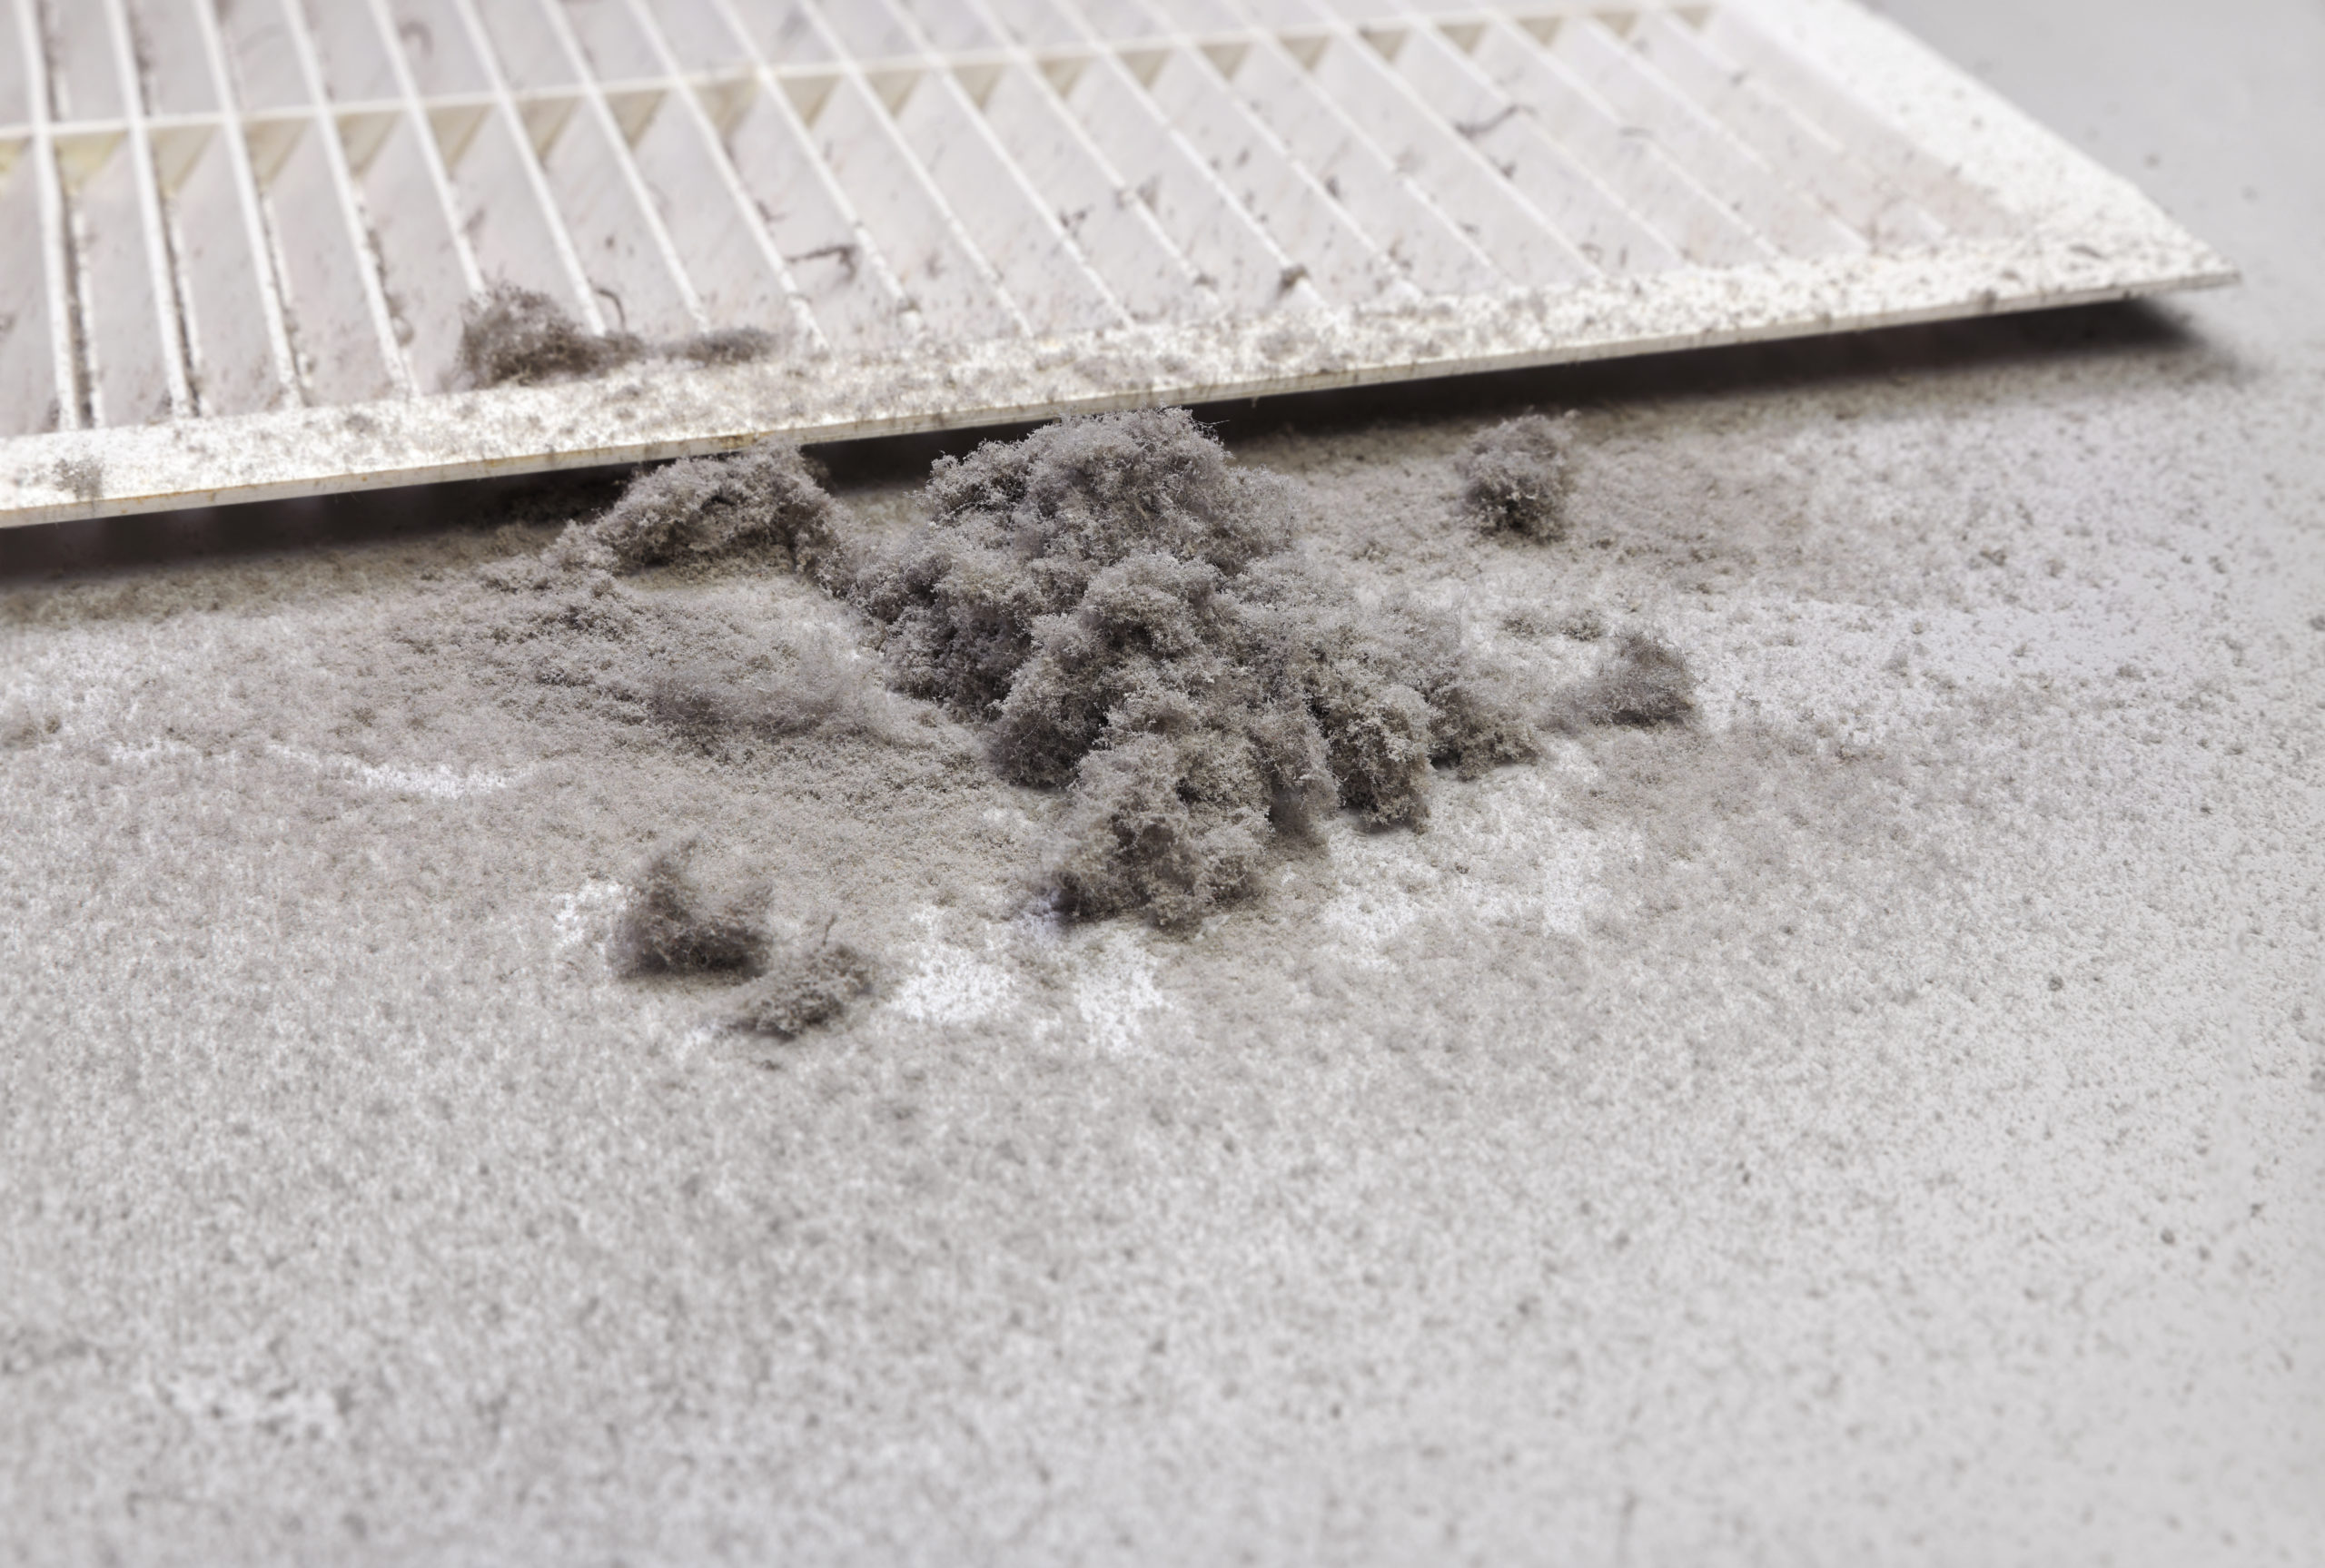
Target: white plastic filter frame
(237, 236)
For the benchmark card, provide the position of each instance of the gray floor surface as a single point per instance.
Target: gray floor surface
(1884, 1122)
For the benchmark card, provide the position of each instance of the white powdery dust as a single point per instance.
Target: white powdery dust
(1870, 670)
(1497, 853)
(1116, 991)
(586, 917)
(952, 985)
(1571, 881)
(438, 783)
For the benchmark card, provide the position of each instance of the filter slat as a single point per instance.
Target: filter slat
(619, 236)
(262, 49)
(239, 356)
(784, 31)
(428, 270)
(1324, 242)
(336, 305)
(1821, 166)
(77, 46)
(1718, 163)
(1828, 106)
(1589, 212)
(1114, 230)
(19, 47)
(844, 277)
(240, 277)
(29, 400)
(341, 335)
(993, 197)
(1218, 234)
(127, 288)
(1118, 242)
(1232, 255)
(729, 255)
(28, 388)
(507, 209)
(949, 283)
(1039, 264)
(1434, 159)
(840, 279)
(1661, 193)
(57, 329)
(1403, 224)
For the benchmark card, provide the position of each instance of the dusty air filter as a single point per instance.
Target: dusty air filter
(240, 239)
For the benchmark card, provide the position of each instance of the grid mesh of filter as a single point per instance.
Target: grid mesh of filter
(244, 215)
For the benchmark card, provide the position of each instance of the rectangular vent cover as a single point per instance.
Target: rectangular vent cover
(237, 237)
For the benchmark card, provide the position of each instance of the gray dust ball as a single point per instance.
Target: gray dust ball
(672, 925)
(513, 336)
(1516, 477)
(1642, 682)
(1129, 614)
(766, 499)
(803, 987)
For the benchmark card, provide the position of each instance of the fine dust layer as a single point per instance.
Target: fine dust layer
(1873, 1117)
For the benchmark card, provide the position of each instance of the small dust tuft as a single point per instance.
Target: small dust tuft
(766, 499)
(1517, 477)
(1641, 683)
(671, 924)
(512, 336)
(719, 661)
(728, 345)
(804, 986)
(1130, 616)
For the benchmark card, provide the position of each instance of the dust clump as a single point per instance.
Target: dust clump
(728, 345)
(1528, 621)
(766, 499)
(720, 661)
(803, 986)
(680, 921)
(513, 336)
(1517, 477)
(1583, 626)
(1641, 683)
(1131, 617)
(671, 924)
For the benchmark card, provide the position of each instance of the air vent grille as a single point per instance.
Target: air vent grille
(237, 237)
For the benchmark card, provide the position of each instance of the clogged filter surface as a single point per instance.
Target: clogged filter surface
(238, 237)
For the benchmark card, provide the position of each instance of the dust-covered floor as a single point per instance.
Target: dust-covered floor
(1883, 1118)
